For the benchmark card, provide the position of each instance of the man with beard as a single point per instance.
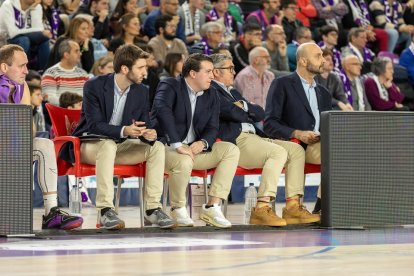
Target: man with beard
(266, 15)
(253, 82)
(165, 42)
(116, 106)
(294, 104)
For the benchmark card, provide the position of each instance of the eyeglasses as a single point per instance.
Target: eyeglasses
(230, 68)
(266, 57)
(216, 32)
(356, 64)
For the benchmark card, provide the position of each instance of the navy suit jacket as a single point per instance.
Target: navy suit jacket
(171, 112)
(288, 109)
(97, 108)
(232, 116)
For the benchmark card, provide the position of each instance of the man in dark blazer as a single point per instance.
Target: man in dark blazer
(238, 119)
(186, 113)
(294, 104)
(116, 106)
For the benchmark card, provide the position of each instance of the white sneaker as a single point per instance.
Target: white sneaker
(214, 216)
(181, 217)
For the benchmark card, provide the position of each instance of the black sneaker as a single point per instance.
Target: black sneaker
(160, 219)
(57, 219)
(110, 221)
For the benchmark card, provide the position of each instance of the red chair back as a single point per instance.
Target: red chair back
(64, 121)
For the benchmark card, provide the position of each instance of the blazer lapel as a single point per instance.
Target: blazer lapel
(109, 96)
(222, 92)
(186, 98)
(298, 88)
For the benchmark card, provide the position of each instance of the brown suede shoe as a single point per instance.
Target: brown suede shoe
(265, 216)
(299, 215)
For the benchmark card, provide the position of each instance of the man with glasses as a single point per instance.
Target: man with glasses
(303, 35)
(166, 42)
(186, 114)
(353, 86)
(212, 33)
(254, 81)
(275, 44)
(237, 125)
(289, 22)
(220, 13)
(167, 7)
(266, 15)
(252, 37)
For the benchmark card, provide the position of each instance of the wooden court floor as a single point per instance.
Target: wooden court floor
(387, 251)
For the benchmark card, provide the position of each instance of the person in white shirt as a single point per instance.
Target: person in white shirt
(21, 21)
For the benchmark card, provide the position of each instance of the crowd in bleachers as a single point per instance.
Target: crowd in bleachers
(368, 45)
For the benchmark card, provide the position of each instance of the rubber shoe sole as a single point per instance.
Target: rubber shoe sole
(208, 220)
(277, 223)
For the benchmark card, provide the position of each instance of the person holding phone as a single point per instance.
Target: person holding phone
(116, 106)
(294, 104)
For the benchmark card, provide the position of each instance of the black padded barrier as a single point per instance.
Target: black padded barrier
(367, 170)
(16, 170)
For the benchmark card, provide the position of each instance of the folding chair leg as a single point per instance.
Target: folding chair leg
(165, 194)
(141, 200)
(118, 193)
(205, 189)
(225, 204)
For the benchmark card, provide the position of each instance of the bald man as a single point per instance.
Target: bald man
(294, 104)
(253, 81)
(353, 86)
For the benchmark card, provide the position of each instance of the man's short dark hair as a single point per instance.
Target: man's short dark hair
(285, 3)
(127, 55)
(325, 30)
(251, 27)
(67, 99)
(327, 52)
(7, 53)
(161, 22)
(193, 63)
(33, 87)
(33, 75)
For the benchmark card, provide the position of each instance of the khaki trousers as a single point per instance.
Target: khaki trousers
(313, 156)
(224, 157)
(272, 156)
(105, 154)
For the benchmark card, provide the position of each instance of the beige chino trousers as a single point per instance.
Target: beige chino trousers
(223, 156)
(105, 154)
(272, 156)
(313, 156)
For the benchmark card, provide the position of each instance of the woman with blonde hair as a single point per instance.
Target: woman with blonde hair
(78, 31)
(103, 66)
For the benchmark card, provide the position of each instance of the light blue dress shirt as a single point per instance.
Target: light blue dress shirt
(312, 99)
(119, 105)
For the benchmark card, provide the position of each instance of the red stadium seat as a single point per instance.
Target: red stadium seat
(63, 122)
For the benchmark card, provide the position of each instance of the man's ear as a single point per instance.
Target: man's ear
(124, 69)
(3, 67)
(193, 74)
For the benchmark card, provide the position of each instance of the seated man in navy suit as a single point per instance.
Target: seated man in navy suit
(186, 113)
(237, 125)
(116, 106)
(294, 104)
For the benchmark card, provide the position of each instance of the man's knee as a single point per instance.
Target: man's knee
(277, 153)
(227, 150)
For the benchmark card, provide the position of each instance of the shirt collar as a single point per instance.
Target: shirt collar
(311, 85)
(191, 91)
(223, 86)
(118, 90)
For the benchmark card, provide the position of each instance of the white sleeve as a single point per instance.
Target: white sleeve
(37, 23)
